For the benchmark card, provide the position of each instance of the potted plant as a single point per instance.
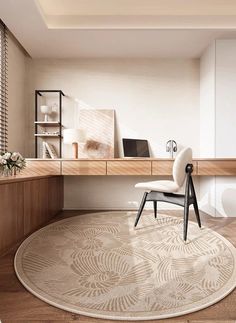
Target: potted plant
(11, 163)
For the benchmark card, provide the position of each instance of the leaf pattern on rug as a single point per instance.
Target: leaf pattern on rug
(99, 264)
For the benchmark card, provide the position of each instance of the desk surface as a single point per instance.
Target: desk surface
(122, 167)
(128, 159)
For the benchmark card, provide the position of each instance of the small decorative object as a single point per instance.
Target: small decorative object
(73, 136)
(50, 133)
(11, 163)
(171, 147)
(46, 110)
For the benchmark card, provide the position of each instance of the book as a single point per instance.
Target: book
(45, 151)
(51, 150)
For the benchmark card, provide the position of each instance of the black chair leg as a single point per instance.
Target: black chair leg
(141, 208)
(195, 205)
(197, 213)
(155, 208)
(186, 213)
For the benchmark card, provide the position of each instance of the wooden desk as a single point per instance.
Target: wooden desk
(32, 198)
(123, 166)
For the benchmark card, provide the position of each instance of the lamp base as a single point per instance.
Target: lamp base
(75, 150)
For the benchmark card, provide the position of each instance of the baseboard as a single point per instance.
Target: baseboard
(100, 209)
(113, 209)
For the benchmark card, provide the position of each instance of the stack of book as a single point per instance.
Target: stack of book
(49, 151)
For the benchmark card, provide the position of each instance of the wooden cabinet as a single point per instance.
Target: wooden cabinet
(11, 214)
(83, 167)
(55, 195)
(26, 205)
(128, 167)
(35, 204)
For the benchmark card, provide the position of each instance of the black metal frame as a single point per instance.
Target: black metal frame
(39, 93)
(185, 200)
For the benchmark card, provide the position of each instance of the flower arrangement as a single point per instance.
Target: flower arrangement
(11, 163)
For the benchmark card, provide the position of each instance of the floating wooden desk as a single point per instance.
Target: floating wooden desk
(123, 166)
(32, 198)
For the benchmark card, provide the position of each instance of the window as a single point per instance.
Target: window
(3, 87)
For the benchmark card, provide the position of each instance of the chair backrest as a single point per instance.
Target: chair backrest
(183, 158)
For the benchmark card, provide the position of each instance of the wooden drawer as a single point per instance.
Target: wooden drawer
(217, 168)
(128, 167)
(164, 167)
(42, 167)
(83, 167)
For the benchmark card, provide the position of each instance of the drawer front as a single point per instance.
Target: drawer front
(83, 167)
(164, 168)
(218, 168)
(126, 167)
(41, 168)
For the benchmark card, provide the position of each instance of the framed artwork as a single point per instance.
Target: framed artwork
(98, 126)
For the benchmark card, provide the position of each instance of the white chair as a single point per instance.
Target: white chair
(174, 191)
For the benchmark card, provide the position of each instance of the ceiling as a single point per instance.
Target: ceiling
(118, 28)
(138, 7)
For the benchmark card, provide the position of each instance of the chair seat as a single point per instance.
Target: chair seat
(159, 186)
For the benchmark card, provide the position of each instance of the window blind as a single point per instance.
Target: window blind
(3, 87)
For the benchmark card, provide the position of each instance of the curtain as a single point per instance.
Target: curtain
(3, 87)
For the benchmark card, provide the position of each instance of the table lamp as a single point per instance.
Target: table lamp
(72, 136)
(46, 110)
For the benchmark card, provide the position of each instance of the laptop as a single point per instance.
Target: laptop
(135, 148)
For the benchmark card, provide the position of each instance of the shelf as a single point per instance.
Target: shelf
(48, 123)
(42, 126)
(47, 135)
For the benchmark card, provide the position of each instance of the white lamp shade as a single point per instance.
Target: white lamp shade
(73, 135)
(45, 109)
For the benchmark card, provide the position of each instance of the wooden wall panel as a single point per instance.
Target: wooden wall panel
(55, 196)
(27, 205)
(129, 167)
(41, 168)
(11, 215)
(217, 168)
(35, 204)
(83, 167)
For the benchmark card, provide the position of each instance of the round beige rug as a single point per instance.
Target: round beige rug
(100, 266)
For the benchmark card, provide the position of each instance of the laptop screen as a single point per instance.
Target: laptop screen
(135, 148)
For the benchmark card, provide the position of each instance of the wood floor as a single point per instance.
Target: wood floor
(19, 306)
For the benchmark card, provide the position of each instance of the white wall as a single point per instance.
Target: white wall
(153, 99)
(217, 126)
(207, 188)
(17, 103)
(225, 98)
(207, 103)
(157, 99)
(225, 122)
